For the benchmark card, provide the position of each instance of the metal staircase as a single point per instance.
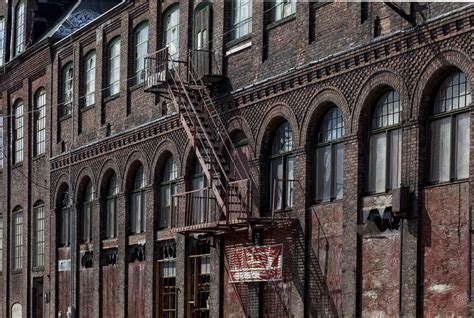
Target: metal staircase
(225, 203)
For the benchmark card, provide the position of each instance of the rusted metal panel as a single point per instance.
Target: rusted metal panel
(136, 289)
(381, 275)
(86, 293)
(445, 240)
(110, 292)
(326, 242)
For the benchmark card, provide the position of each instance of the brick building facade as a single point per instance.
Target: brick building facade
(346, 143)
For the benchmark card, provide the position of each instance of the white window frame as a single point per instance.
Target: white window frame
(141, 38)
(282, 9)
(2, 40)
(17, 231)
(241, 18)
(89, 77)
(138, 203)
(171, 31)
(449, 145)
(111, 208)
(67, 90)
(19, 27)
(18, 132)
(86, 213)
(167, 190)
(113, 70)
(39, 235)
(64, 221)
(40, 122)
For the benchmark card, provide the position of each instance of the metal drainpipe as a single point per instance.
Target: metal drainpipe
(400, 282)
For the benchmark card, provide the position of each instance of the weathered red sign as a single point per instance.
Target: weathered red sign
(255, 263)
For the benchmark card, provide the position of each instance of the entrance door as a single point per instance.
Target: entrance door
(202, 38)
(38, 298)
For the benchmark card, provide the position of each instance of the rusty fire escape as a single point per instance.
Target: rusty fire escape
(225, 202)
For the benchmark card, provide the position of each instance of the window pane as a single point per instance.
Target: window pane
(323, 175)
(378, 163)
(454, 93)
(172, 32)
(395, 158)
(39, 238)
(440, 149)
(387, 111)
(276, 188)
(114, 67)
(339, 178)
(283, 139)
(289, 181)
(141, 50)
(2, 39)
(462, 145)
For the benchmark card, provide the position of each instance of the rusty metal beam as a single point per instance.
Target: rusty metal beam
(410, 17)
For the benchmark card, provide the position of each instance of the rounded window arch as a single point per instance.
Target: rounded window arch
(64, 217)
(171, 31)
(110, 193)
(89, 79)
(141, 51)
(281, 172)
(169, 174)
(18, 131)
(17, 238)
(86, 212)
(40, 122)
(329, 157)
(450, 129)
(138, 202)
(385, 143)
(39, 238)
(113, 66)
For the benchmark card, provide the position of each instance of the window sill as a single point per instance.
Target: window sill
(236, 42)
(17, 165)
(64, 118)
(164, 234)
(86, 108)
(282, 21)
(84, 247)
(110, 243)
(322, 203)
(38, 157)
(136, 86)
(37, 269)
(16, 271)
(445, 183)
(136, 239)
(111, 97)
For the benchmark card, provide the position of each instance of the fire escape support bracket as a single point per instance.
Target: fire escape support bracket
(410, 17)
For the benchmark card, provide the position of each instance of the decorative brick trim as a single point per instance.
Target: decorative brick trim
(166, 148)
(135, 158)
(107, 167)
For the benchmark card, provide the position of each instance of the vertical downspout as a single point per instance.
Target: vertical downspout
(400, 282)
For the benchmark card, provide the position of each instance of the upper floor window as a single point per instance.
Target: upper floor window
(113, 71)
(329, 157)
(18, 134)
(141, 51)
(40, 122)
(1, 142)
(67, 90)
(385, 144)
(38, 235)
(281, 168)
(2, 40)
(167, 190)
(138, 202)
(17, 231)
(241, 18)
(86, 213)
(450, 130)
(282, 9)
(89, 76)
(171, 32)
(1, 243)
(64, 220)
(111, 208)
(19, 27)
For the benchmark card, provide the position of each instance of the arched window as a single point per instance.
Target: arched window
(67, 90)
(329, 179)
(86, 213)
(19, 27)
(201, 198)
(281, 168)
(17, 311)
(64, 219)
(40, 122)
(239, 165)
(385, 144)
(241, 18)
(450, 130)
(137, 202)
(38, 235)
(89, 78)
(113, 71)
(167, 190)
(111, 208)
(2, 40)
(17, 231)
(282, 8)
(171, 31)
(141, 50)
(18, 133)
